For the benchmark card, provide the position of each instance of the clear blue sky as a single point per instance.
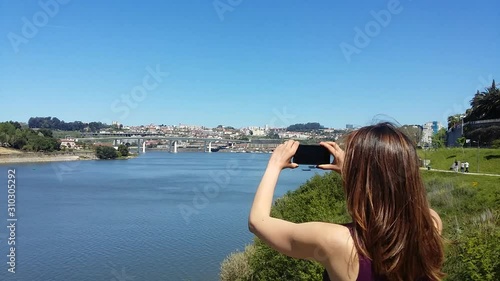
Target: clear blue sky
(243, 66)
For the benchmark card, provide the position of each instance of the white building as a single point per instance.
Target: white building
(259, 132)
(429, 129)
(69, 143)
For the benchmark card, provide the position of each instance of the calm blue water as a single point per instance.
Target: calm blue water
(160, 216)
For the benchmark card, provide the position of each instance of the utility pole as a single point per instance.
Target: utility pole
(462, 117)
(477, 155)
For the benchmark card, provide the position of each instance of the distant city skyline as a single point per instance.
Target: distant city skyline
(261, 62)
(262, 126)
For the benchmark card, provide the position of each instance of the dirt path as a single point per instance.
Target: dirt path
(449, 171)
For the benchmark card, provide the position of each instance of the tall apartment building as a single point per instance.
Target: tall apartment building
(429, 129)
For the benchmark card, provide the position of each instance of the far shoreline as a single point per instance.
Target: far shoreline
(23, 158)
(13, 156)
(52, 158)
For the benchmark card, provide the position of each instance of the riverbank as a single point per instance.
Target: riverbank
(38, 158)
(8, 155)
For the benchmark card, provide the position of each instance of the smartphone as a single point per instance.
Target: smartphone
(311, 155)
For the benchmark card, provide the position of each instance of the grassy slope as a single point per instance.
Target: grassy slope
(477, 193)
(459, 199)
(442, 159)
(469, 206)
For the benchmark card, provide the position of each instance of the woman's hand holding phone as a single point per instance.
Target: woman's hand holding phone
(283, 154)
(338, 157)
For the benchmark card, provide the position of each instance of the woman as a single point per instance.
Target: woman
(394, 234)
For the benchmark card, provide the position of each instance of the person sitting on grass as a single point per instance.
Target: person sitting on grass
(452, 167)
(394, 235)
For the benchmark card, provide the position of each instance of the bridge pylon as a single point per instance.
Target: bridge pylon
(174, 145)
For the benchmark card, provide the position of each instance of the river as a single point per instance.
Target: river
(160, 216)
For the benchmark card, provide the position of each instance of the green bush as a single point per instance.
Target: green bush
(123, 149)
(469, 207)
(475, 255)
(236, 266)
(106, 152)
(495, 144)
(319, 199)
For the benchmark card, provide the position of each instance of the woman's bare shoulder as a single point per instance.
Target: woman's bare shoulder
(336, 240)
(341, 261)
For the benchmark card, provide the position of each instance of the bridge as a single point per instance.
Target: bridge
(173, 141)
(121, 134)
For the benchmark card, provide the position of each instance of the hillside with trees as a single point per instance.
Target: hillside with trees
(54, 123)
(14, 136)
(305, 127)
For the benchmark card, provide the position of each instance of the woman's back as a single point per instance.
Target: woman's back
(386, 198)
(393, 233)
(361, 267)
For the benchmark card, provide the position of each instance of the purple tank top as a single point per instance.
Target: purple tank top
(365, 271)
(365, 267)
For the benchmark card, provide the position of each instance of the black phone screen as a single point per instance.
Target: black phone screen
(312, 155)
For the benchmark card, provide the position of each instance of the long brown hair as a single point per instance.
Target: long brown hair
(387, 200)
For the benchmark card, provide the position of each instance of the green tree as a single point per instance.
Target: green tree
(19, 139)
(311, 126)
(454, 120)
(7, 128)
(439, 138)
(106, 152)
(273, 135)
(123, 149)
(46, 132)
(461, 141)
(496, 144)
(486, 104)
(4, 138)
